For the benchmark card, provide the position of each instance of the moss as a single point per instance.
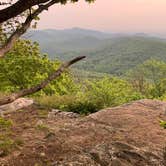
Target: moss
(5, 124)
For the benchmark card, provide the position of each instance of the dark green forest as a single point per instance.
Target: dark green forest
(106, 53)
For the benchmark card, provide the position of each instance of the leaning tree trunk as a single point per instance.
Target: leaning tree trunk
(24, 27)
(42, 85)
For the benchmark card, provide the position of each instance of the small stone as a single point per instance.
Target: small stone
(39, 122)
(42, 154)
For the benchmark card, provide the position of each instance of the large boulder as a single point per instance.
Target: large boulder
(128, 135)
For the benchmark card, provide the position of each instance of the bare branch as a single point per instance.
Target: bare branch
(42, 85)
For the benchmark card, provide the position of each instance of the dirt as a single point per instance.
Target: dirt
(129, 135)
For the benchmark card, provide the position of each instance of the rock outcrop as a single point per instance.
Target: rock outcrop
(128, 135)
(16, 105)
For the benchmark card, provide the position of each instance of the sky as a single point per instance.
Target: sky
(144, 16)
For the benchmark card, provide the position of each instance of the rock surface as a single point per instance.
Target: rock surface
(129, 135)
(16, 105)
(56, 112)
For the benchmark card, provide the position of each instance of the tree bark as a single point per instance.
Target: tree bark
(42, 85)
(19, 7)
(20, 31)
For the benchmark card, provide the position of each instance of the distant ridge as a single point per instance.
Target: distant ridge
(112, 53)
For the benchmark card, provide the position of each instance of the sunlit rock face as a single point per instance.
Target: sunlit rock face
(16, 105)
(127, 135)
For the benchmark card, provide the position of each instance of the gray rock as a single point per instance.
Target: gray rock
(16, 105)
(58, 113)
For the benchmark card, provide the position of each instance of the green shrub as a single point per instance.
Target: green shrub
(163, 97)
(111, 92)
(5, 124)
(93, 96)
(69, 103)
(149, 78)
(7, 144)
(43, 113)
(24, 66)
(43, 127)
(163, 124)
(81, 107)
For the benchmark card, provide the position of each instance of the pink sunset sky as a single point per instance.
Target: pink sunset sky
(147, 16)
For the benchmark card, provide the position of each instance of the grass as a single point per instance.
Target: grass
(43, 127)
(55, 101)
(43, 113)
(163, 124)
(68, 103)
(7, 144)
(5, 124)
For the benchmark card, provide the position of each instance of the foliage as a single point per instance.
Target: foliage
(93, 96)
(7, 144)
(42, 127)
(68, 103)
(42, 113)
(163, 124)
(149, 78)
(111, 92)
(24, 67)
(5, 124)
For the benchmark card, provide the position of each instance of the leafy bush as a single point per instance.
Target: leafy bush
(163, 97)
(163, 124)
(24, 66)
(149, 78)
(43, 127)
(111, 92)
(68, 103)
(7, 144)
(5, 124)
(93, 96)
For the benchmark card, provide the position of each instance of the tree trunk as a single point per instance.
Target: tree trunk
(20, 31)
(42, 85)
(19, 7)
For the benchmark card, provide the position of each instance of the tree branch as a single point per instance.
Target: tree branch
(42, 85)
(20, 31)
(22, 5)
(19, 7)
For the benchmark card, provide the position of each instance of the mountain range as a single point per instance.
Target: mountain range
(112, 53)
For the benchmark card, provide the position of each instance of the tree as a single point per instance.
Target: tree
(22, 10)
(149, 78)
(24, 66)
(15, 19)
(21, 6)
(110, 92)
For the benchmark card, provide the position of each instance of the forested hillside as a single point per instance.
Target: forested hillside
(106, 53)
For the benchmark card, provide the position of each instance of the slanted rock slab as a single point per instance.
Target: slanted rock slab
(127, 135)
